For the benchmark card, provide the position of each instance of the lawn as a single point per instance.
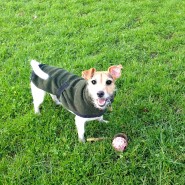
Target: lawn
(148, 38)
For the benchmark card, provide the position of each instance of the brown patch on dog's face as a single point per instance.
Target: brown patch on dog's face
(102, 81)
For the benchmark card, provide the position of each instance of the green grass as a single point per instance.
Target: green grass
(147, 37)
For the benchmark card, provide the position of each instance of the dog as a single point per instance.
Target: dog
(87, 96)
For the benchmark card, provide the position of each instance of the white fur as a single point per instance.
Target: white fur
(38, 71)
(80, 125)
(38, 98)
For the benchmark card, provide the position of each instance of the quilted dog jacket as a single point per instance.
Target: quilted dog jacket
(70, 89)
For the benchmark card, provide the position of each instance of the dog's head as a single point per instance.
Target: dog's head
(101, 84)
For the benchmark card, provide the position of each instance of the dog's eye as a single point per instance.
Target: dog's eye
(93, 82)
(108, 82)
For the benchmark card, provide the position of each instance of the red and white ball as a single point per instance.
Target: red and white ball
(119, 143)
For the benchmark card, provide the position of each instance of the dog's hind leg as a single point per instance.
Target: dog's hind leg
(38, 97)
(55, 99)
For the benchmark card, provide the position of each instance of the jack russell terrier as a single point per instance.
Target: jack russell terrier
(87, 97)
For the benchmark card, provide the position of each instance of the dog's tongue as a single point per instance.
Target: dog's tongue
(101, 101)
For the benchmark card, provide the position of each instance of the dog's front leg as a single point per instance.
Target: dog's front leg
(80, 125)
(100, 119)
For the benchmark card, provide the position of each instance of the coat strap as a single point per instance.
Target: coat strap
(61, 89)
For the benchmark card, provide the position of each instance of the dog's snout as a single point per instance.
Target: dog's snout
(100, 94)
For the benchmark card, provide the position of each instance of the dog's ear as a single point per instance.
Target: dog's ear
(115, 71)
(88, 74)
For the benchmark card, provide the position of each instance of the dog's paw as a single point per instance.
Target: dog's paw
(102, 120)
(81, 140)
(105, 121)
(58, 103)
(37, 112)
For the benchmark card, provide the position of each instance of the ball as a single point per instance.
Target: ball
(119, 142)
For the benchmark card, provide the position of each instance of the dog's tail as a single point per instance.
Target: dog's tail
(38, 71)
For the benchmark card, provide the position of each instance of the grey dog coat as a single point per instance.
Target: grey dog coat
(70, 89)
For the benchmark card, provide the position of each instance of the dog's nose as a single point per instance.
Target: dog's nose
(100, 94)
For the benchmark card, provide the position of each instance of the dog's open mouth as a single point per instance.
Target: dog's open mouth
(101, 102)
